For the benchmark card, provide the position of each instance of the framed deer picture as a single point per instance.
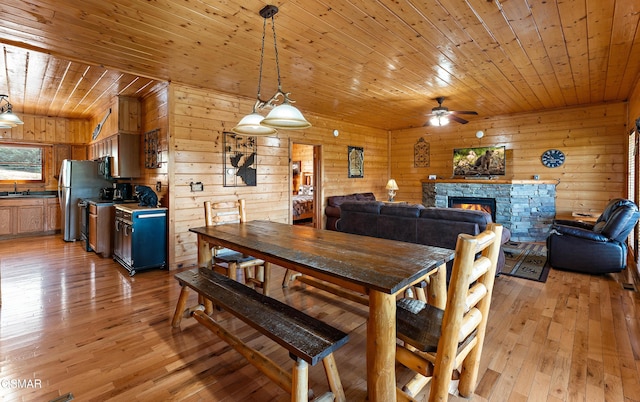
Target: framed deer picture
(240, 160)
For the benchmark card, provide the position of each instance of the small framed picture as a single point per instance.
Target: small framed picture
(295, 168)
(356, 162)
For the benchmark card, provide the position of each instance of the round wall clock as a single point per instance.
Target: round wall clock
(553, 158)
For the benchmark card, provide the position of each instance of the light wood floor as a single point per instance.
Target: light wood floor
(75, 323)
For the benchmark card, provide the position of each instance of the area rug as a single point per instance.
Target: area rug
(526, 260)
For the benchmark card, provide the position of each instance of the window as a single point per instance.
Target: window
(21, 163)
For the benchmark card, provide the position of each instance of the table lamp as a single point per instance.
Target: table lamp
(392, 186)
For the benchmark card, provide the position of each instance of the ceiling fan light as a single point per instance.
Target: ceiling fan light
(439, 121)
(250, 125)
(286, 117)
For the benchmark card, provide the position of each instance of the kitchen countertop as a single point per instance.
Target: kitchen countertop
(28, 194)
(100, 201)
(135, 207)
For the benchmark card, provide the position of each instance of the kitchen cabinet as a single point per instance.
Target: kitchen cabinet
(60, 153)
(53, 215)
(101, 222)
(140, 237)
(6, 223)
(129, 115)
(124, 149)
(29, 216)
(79, 152)
(121, 138)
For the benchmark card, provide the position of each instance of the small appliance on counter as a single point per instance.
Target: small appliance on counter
(122, 192)
(107, 193)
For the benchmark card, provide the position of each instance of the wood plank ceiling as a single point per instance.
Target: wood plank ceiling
(379, 63)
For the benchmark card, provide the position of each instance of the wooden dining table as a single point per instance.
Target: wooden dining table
(378, 268)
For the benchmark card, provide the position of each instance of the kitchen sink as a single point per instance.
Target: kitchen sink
(29, 194)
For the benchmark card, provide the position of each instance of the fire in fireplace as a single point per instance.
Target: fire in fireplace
(475, 203)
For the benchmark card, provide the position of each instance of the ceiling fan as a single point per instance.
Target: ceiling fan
(440, 115)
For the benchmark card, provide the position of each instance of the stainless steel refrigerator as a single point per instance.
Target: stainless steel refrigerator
(78, 180)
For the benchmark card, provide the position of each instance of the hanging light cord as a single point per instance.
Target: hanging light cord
(270, 12)
(259, 102)
(275, 47)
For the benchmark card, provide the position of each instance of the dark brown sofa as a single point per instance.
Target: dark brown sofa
(332, 210)
(415, 223)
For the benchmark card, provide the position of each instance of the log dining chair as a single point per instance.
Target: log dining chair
(256, 272)
(440, 344)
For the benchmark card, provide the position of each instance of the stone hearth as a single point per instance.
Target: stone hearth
(526, 207)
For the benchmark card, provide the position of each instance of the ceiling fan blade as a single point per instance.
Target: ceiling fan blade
(458, 119)
(464, 112)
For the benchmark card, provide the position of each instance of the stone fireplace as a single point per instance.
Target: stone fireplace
(526, 207)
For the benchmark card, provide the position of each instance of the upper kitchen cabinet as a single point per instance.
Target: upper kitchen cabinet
(117, 135)
(129, 115)
(121, 115)
(125, 151)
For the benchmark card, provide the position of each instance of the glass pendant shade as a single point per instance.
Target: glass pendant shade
(250, 125)
(286, 117)
(10, 118)
(7, 118)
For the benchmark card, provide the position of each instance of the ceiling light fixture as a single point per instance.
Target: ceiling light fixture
(439, 120)
(7, 118)
(284, 115)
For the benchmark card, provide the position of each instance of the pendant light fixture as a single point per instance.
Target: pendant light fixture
(7, 118)
(284, 115)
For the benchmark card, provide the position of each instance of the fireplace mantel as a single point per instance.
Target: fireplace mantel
(491, 181)
(526, 207)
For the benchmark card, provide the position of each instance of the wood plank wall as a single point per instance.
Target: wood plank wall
(48, 131)
(198, 120)
(155, 116)
(593, 139)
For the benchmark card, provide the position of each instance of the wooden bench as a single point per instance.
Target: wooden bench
(307, 339)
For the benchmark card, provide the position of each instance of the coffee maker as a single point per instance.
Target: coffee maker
(122, 192)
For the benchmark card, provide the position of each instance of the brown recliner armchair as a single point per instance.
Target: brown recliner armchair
(594, 248)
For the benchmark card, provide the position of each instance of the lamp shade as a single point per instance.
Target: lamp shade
(250, 125)
(10, 119)
(286, 117)
(392, 185)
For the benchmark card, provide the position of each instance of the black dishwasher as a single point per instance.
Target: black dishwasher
(140, 240)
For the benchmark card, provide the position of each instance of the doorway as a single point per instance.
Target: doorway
(305, 184)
